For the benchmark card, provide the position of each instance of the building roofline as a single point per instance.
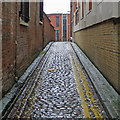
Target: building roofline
(58, 14)
(48, 19)
(46, 16)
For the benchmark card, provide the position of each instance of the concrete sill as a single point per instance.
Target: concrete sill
(23, 23)
(40, 22)
(89, 12)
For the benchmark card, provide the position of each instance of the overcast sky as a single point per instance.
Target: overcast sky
(56, 6)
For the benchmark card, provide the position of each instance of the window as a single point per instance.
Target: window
(64, 30)
(24, 13)
(77, 17)
(57, 21)
(57, 35)
(87, 6)
(82, 8)
(90, 4)
(41, 11)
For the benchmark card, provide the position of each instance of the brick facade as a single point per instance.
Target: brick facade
(52, 18)
(68, 27)
(8, 45)
(119, 55)
(29, 39)
(49, 31)
(21, 44)
(0, 49)
(101, 44)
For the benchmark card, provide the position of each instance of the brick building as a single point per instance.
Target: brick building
(49, 31)
(61, 23)
(96, 29)
(23, 34)
(0, 47)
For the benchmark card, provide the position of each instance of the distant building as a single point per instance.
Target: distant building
(95, 27)
(61, 23)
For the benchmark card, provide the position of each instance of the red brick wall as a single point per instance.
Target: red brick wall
(29, 39)
(68, 32)
(49, 32)
(71, 19)
(119, 54)
(0, 49)
(8, 45)
(52, 17)
(21, 44)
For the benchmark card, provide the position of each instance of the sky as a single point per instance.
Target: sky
(56, 6)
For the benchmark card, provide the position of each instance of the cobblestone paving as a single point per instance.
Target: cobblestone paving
(57, 93)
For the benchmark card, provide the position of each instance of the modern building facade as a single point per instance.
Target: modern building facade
(22, 37)
(95, 27)
(61, 23)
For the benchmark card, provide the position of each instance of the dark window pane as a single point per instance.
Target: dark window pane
(41, 11)
(57, 21)
(24, 13)
(57, 35)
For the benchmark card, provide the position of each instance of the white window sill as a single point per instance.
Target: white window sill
(23, 23)
(40, 22)
(89, 12)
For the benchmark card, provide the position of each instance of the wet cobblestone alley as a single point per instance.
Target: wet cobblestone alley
(61, 90)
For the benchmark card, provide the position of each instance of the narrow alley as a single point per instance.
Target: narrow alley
(60, 89)
(59, 59)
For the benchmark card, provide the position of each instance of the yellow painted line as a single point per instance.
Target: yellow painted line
(88, 93)
(84, 104)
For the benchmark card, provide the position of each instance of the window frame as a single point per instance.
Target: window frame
(57, 21)
(76, 17)
(90, 5)
(24, 17)
(57, 34)
(41, 12)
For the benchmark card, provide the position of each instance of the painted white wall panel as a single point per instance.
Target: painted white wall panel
(100, 12)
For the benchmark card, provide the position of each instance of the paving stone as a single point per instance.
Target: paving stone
(106, 92)
(57, 96)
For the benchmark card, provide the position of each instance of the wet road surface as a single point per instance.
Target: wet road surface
(61, 90)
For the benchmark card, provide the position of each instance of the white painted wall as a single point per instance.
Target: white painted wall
(101, 11)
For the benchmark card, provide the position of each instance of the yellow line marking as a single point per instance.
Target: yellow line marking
(88, 93)
(84, 104)
(53, 69)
